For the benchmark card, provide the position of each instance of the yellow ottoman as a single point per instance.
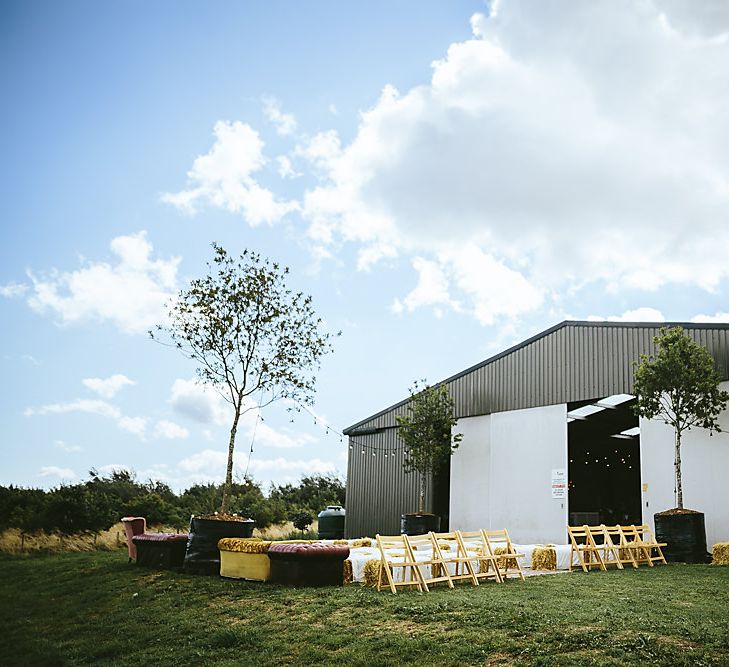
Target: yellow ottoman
(242, 558)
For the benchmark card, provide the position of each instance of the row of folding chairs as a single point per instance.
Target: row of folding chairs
(601, 546)
(424, 560)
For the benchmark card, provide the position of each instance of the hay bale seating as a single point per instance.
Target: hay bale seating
(720, 553)
(244, 558)
(372, 572)
(544, 557)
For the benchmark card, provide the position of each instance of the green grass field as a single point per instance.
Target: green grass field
(94, 608)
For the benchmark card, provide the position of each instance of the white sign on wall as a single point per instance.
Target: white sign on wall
(559, 483)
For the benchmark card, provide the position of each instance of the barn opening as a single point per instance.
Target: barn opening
(603, 448)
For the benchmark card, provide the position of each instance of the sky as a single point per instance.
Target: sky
(445, 178)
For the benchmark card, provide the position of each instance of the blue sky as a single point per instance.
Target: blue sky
(445, 178)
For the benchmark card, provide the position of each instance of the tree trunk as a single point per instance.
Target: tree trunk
(229, 472)
(677, 465)
(421, 499)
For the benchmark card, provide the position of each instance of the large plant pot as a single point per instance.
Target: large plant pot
(419, 523)
(685, 536)
(202, 555)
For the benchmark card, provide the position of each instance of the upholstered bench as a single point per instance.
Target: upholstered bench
(160, 550)
(308, 564)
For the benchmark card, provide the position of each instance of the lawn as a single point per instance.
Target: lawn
(94, 608)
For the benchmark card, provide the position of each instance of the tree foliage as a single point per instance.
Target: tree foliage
(426, 432)
(255, 340)
(679, 385)
(98, 503)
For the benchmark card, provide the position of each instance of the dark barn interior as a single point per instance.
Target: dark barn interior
(604, 463)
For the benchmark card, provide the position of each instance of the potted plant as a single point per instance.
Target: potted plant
(680, 385)
(426, 432)
(255, 342)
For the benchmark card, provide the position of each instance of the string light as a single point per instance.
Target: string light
(353, 441)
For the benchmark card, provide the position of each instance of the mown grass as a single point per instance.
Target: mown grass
(94, 608)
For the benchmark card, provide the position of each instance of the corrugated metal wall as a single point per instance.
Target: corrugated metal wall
(378, 491)
(573, 361)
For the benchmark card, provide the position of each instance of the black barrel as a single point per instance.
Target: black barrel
(202, 555)
(331, 523)
(419, 524)
(685, 536)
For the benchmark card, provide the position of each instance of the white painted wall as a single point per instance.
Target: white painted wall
(501, 474)
(705, 473)
(470, 473)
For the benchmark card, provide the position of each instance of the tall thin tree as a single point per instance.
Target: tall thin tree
(680, 385)
(255, 340)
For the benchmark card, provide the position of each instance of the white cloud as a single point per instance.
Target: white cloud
(209, 465)
(431, 290)
(285, 123)
(31, 359)
(109, 387)
(199, 402)
(710, 319)
(590, 155)
(223, 177)
(135, 425)
(643, 314)
(55, 471)
(130, 294)
(170, 431)
(69, 449)
(12, 290)
(90, 406)
(286, 167)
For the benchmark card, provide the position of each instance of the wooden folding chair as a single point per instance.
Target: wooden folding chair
(507, 558)
(426, 552)
(643, 544)
(609, 552)
(458, 555)
(584, 547)
(625, 552)
(388, 564)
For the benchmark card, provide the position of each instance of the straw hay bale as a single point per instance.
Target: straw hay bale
(348, 577)
(364, 542)
(505, 562)
(244, 545)
(341, 542)
(544, 557)
(720, 553)
(372, 572)
(444, 546)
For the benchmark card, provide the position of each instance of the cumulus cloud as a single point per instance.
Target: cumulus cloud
(711, 319)
(592, 154)
(562, 147)
(12, 290)
(209, 465)
(66, 447)
(55, 471)
(285, 123)
(224, 178)
(109, 387)
(199, 402)
(90, 406)
(643, 314)
(135, 425)
(286, 167)
(170, 430)
(129, 293)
